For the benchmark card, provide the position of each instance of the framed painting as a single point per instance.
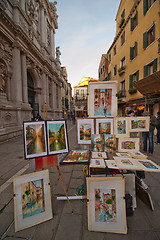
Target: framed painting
(104, 125)
(109, 143)
(138, 155)
(128, 144)
(32, 199)
(102, 101)
(85, 128)
(97, 163)
(111, 164)
(99, 155)
(77, 157)
(106, 204)
(127, 163)
(123, 154)
(57, 137)
(35, 141)
(148, 165)
(97, 143)
(121, 127)
(139, 124)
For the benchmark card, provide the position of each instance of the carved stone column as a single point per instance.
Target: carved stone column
(42, 26)
(16, 83)
(44, 87)
(24, 79)
(22, 3)
(52, 43)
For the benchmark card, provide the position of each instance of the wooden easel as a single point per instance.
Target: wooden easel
(58, 170)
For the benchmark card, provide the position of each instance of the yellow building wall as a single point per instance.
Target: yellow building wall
(145, 56)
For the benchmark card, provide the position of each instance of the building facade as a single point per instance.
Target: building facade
(66, 94)
(134, 53)
(30, 73)
(81, 97)
(103, 68)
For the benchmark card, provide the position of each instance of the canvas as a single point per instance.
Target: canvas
(97, 143)
(127, 163)
(77, 157)
(128, 144)
(97, 163)
(99, 155)
(121, 127)
(57, 137)
(139, 124)
(104, 125)
(102, 99)
(32, 199)
(109, 143)
(85, 127)
(35, 142)
(106, 204)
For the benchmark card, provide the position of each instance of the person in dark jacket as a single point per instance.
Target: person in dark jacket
(158, 127)
(149, 135)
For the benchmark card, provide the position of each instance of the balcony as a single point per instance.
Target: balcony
(132, 90)
(121, 70)
(121, 94)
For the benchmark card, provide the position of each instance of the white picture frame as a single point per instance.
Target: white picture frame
(97, 163)
(139, 124)
(99, 155)
(148, 165)
(128, 144)
(84, 125)
(104, 125)
(127, 163)
(121, 127)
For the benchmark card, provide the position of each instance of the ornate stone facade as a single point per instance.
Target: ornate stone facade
(30, 69)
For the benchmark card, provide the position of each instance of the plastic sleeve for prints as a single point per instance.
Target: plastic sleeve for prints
(72, 198)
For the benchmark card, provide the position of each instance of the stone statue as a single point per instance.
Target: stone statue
(3, 74)
(58, 53)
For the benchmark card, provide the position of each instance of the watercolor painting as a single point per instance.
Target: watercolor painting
(57, 137)
(123, 154)
(34, 139)
(149, 165)
(97, 143)
(85, 127)
(121, 127)
(139, 124)
(102, 102)
(32, 198)
(104, 126)
(97, 163)
(99, 155)
(128, 144)
(109, 143)
(105, 205)
(127, 163)
(77, 156)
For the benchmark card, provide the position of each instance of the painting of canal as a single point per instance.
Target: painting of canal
(97, 144)
(77, 156)
(57, 137)
(102, 102)
(85, 131)
(105, 205)
(32, 198)
(35, 139)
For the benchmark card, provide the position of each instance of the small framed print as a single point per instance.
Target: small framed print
(97, 163)
(123, 154)
(32, 199)
(104, 125)
(148, 165)
(127, 163)
(138, 155)
(111, 164)
(121, 127)
(57, 137)
(77, 157)
(109, 143)
(99, 155)
(85, 128)
(139, 124)
(35, 142)
(128, 144)
(106, 204)
(97, 143)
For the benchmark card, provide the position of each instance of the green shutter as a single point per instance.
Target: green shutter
(130, 82)
(145, 6)
(154, 30)
(132, 24)
(137, 75)
(155, 64)
(131, 53)
(136, 18)
(145, 39)
(145, 71)
(136, 48)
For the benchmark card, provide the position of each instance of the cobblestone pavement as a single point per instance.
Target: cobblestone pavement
(144, 224)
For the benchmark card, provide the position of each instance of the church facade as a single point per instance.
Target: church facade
(30, 68)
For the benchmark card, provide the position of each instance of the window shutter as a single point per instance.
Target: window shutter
(130, 82)
(154, 30)
(145, 6)
(136, 48)
(136, 18)
(155, 64)
(131, 53)
(145, 40)
(137, 75)
(145, 69)
(132, 24)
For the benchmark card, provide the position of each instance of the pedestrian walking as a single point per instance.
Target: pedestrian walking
(149, 135)
(158, 127)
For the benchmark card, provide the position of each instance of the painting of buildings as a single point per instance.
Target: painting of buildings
(97, 144)
(128, 145)
(121, 127)
(102, 102)
(77, 156)
(85, 131)
(105, 127)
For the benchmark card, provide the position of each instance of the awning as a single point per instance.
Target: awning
(149, 85)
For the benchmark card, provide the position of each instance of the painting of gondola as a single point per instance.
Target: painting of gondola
(35, 143)
(57, 137)
(32, 199)
(106, 204)
(102, 101)
(85, 128)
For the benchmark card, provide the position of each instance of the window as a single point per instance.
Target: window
(77, 92)
(115, 70)
(123, 62)
(123, 38)
(134, 51)
(150, 68)
(114, 50)
(82, 92)
(147, 5)
(110, 57)
(149, 36)
(122, 18)
(122, 86)
(133, 78)
(109, 76)
(134, 21)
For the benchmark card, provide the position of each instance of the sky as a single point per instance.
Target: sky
(86, 30)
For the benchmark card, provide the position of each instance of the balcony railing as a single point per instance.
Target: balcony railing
(121, 70)
(121, 94)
